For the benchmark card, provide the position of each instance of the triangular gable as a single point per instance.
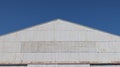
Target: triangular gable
(59, 30)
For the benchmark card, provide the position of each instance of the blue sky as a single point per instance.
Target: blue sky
(100, 14)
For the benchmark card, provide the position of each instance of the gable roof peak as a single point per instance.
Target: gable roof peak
(59, 20)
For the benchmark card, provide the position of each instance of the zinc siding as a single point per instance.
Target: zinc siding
(59, 42)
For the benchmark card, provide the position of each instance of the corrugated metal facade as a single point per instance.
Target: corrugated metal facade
(59, 42)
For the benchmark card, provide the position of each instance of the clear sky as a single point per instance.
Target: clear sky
(100, 14)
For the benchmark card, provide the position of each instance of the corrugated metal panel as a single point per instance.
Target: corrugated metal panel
(38, 47)
(10, 47)
(70, 36)
(98, 47)
(64, 36)
(10, 58)
(35, 36)
(70, 46)
(59, 31)
(101, 36)
(59, 58)
(108, 47)
(60, 46)
(9, 37)
(59, 65)
(71, 58)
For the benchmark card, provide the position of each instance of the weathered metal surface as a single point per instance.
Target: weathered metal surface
(70, 57)
(70, 46)
(59, 46)
(10, 58)
(108, 47)
(59, 58)
(59, 31)
(59, 42)
(39, 36)
(51, 46)
(10, 47)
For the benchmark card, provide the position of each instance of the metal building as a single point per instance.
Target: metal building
(59, 43)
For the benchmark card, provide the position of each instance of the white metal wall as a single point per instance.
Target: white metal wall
(21, 47)
(59, 31)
